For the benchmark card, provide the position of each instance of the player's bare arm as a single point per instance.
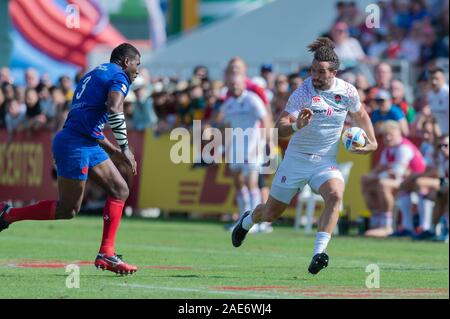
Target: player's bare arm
(116, 119)
(361, 119)
(109, 147)
(285, 123)
(268, 124)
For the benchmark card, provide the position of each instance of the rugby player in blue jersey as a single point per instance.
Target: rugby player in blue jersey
(81, 150)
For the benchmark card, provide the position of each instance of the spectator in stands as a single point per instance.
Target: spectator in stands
(35, 118)
(65, 83)
(45, 80)
(183, 102)
(348, 49)
(128, 110)
(281, 84)
(361, 82)
(31, 78)
(417, 12)
(438, 98)
(8, 91)
(212, 106)
(383, 76)
(201, 72)
(378, 44)
(421, 89)
(429, 137)
(80, 74)
(45, 101)
(343, 13)
(144, 115)
(355, 20)
(411, 44)
(399, 158)
(279, 103)
(398, 99)
(423, 116)
(5, 76)
(281, 95)
(423, 185)
(387, 111)
(266, 72)
(441, 204)
(430, 47)
(166, 108)
(61, 105)
(432, 187)
(15, 116)
(295, 80)
(197, 102)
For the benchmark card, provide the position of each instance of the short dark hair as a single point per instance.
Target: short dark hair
(125, 50)
(436, 70)
(323, 49)
(199, 67)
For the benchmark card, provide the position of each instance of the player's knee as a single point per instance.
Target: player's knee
(119, 190)
(122, 192)
(334, 198)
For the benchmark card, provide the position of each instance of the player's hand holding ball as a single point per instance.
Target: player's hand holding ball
(355, 140)
(304, 118)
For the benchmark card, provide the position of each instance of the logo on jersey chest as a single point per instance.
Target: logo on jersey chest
(321, 105)
(322, 108)
(316, 100)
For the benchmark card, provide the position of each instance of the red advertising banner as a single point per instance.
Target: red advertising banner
(26, 166)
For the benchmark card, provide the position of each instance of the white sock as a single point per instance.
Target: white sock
(247, 223)
(255, 197)
(322, 239)
(405, 205)
(425, 208)
(386, 220)
(243, 200)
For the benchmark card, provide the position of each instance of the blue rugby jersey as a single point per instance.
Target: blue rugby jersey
(89, 113)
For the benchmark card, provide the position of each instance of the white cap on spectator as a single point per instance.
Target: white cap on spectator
(383, 95)
(260, 81)
(138, 83)
(158, 87)
(131, 97)
(182, 85)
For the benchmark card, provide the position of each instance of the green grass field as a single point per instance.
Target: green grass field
(188, 259)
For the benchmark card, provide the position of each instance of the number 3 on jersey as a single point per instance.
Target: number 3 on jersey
(85, 82)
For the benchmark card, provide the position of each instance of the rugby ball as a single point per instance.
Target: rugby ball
(353, 137)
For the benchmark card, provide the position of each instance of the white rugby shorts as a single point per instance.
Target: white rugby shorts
(295, 172)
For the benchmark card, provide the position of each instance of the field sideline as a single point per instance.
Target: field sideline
(190, 259)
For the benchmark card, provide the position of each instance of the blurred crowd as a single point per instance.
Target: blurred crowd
(413, 114)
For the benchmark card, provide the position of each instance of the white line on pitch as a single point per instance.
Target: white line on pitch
(247, 294)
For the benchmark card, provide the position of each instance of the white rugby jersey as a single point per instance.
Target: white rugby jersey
(439, 107)
(245, 112)
(322, 135)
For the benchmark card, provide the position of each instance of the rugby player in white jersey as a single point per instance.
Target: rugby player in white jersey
(244, 111)
(314, 115)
